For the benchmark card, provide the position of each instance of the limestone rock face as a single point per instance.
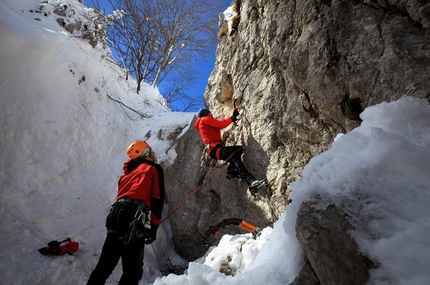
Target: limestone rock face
(304, 71)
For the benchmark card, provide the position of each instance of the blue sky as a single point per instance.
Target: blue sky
(203, 67)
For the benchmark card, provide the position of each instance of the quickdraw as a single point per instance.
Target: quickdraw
(139, 227)
(205, 160)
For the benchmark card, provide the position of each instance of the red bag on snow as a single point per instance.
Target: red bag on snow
(59, 248)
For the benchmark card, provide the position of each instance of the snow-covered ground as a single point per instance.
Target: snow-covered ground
(62, 145)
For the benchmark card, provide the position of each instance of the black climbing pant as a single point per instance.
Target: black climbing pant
(117, 223)
(114, 249)
(235, 162)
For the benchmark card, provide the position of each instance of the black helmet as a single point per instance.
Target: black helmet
(203, 112)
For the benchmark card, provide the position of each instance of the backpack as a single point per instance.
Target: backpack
(60, 247)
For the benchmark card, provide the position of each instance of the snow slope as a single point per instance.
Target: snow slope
(62, 143)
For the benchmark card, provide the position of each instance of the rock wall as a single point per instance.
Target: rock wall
(323, 233)
(304, 71)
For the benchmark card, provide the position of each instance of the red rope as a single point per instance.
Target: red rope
(200, 187)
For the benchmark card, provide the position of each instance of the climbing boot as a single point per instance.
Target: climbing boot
(256, 185)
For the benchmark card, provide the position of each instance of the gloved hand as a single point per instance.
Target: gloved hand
(152, 235)
(235, 113)
(234, 116)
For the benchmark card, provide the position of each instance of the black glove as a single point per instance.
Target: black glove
(234, 117)
(235, 113)
(52, 246)
(152, 235)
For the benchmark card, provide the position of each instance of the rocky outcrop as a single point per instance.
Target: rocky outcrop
(323, 233)
(304, 70)
(90, 27)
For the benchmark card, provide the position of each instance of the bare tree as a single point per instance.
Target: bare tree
(175, 89)
(153, 38)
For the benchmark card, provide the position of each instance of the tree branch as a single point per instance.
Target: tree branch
(122, 104)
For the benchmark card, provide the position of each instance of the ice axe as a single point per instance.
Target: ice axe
(214, 230)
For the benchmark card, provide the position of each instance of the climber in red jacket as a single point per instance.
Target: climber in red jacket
(134, 218)
(210, 131)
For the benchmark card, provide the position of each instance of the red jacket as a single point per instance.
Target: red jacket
(210, 128)
(143, 180)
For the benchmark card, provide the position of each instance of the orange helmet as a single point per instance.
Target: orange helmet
(138, 148)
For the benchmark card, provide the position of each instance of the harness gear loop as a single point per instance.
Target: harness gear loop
(139, 227)
(205, 159)
(208, 152)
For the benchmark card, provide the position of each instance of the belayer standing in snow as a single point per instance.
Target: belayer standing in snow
(210, 131)
(134, 218)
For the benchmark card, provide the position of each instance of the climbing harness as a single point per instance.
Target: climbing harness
(140, 225)
(208, 150)
(214, 149)
(214, 230)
